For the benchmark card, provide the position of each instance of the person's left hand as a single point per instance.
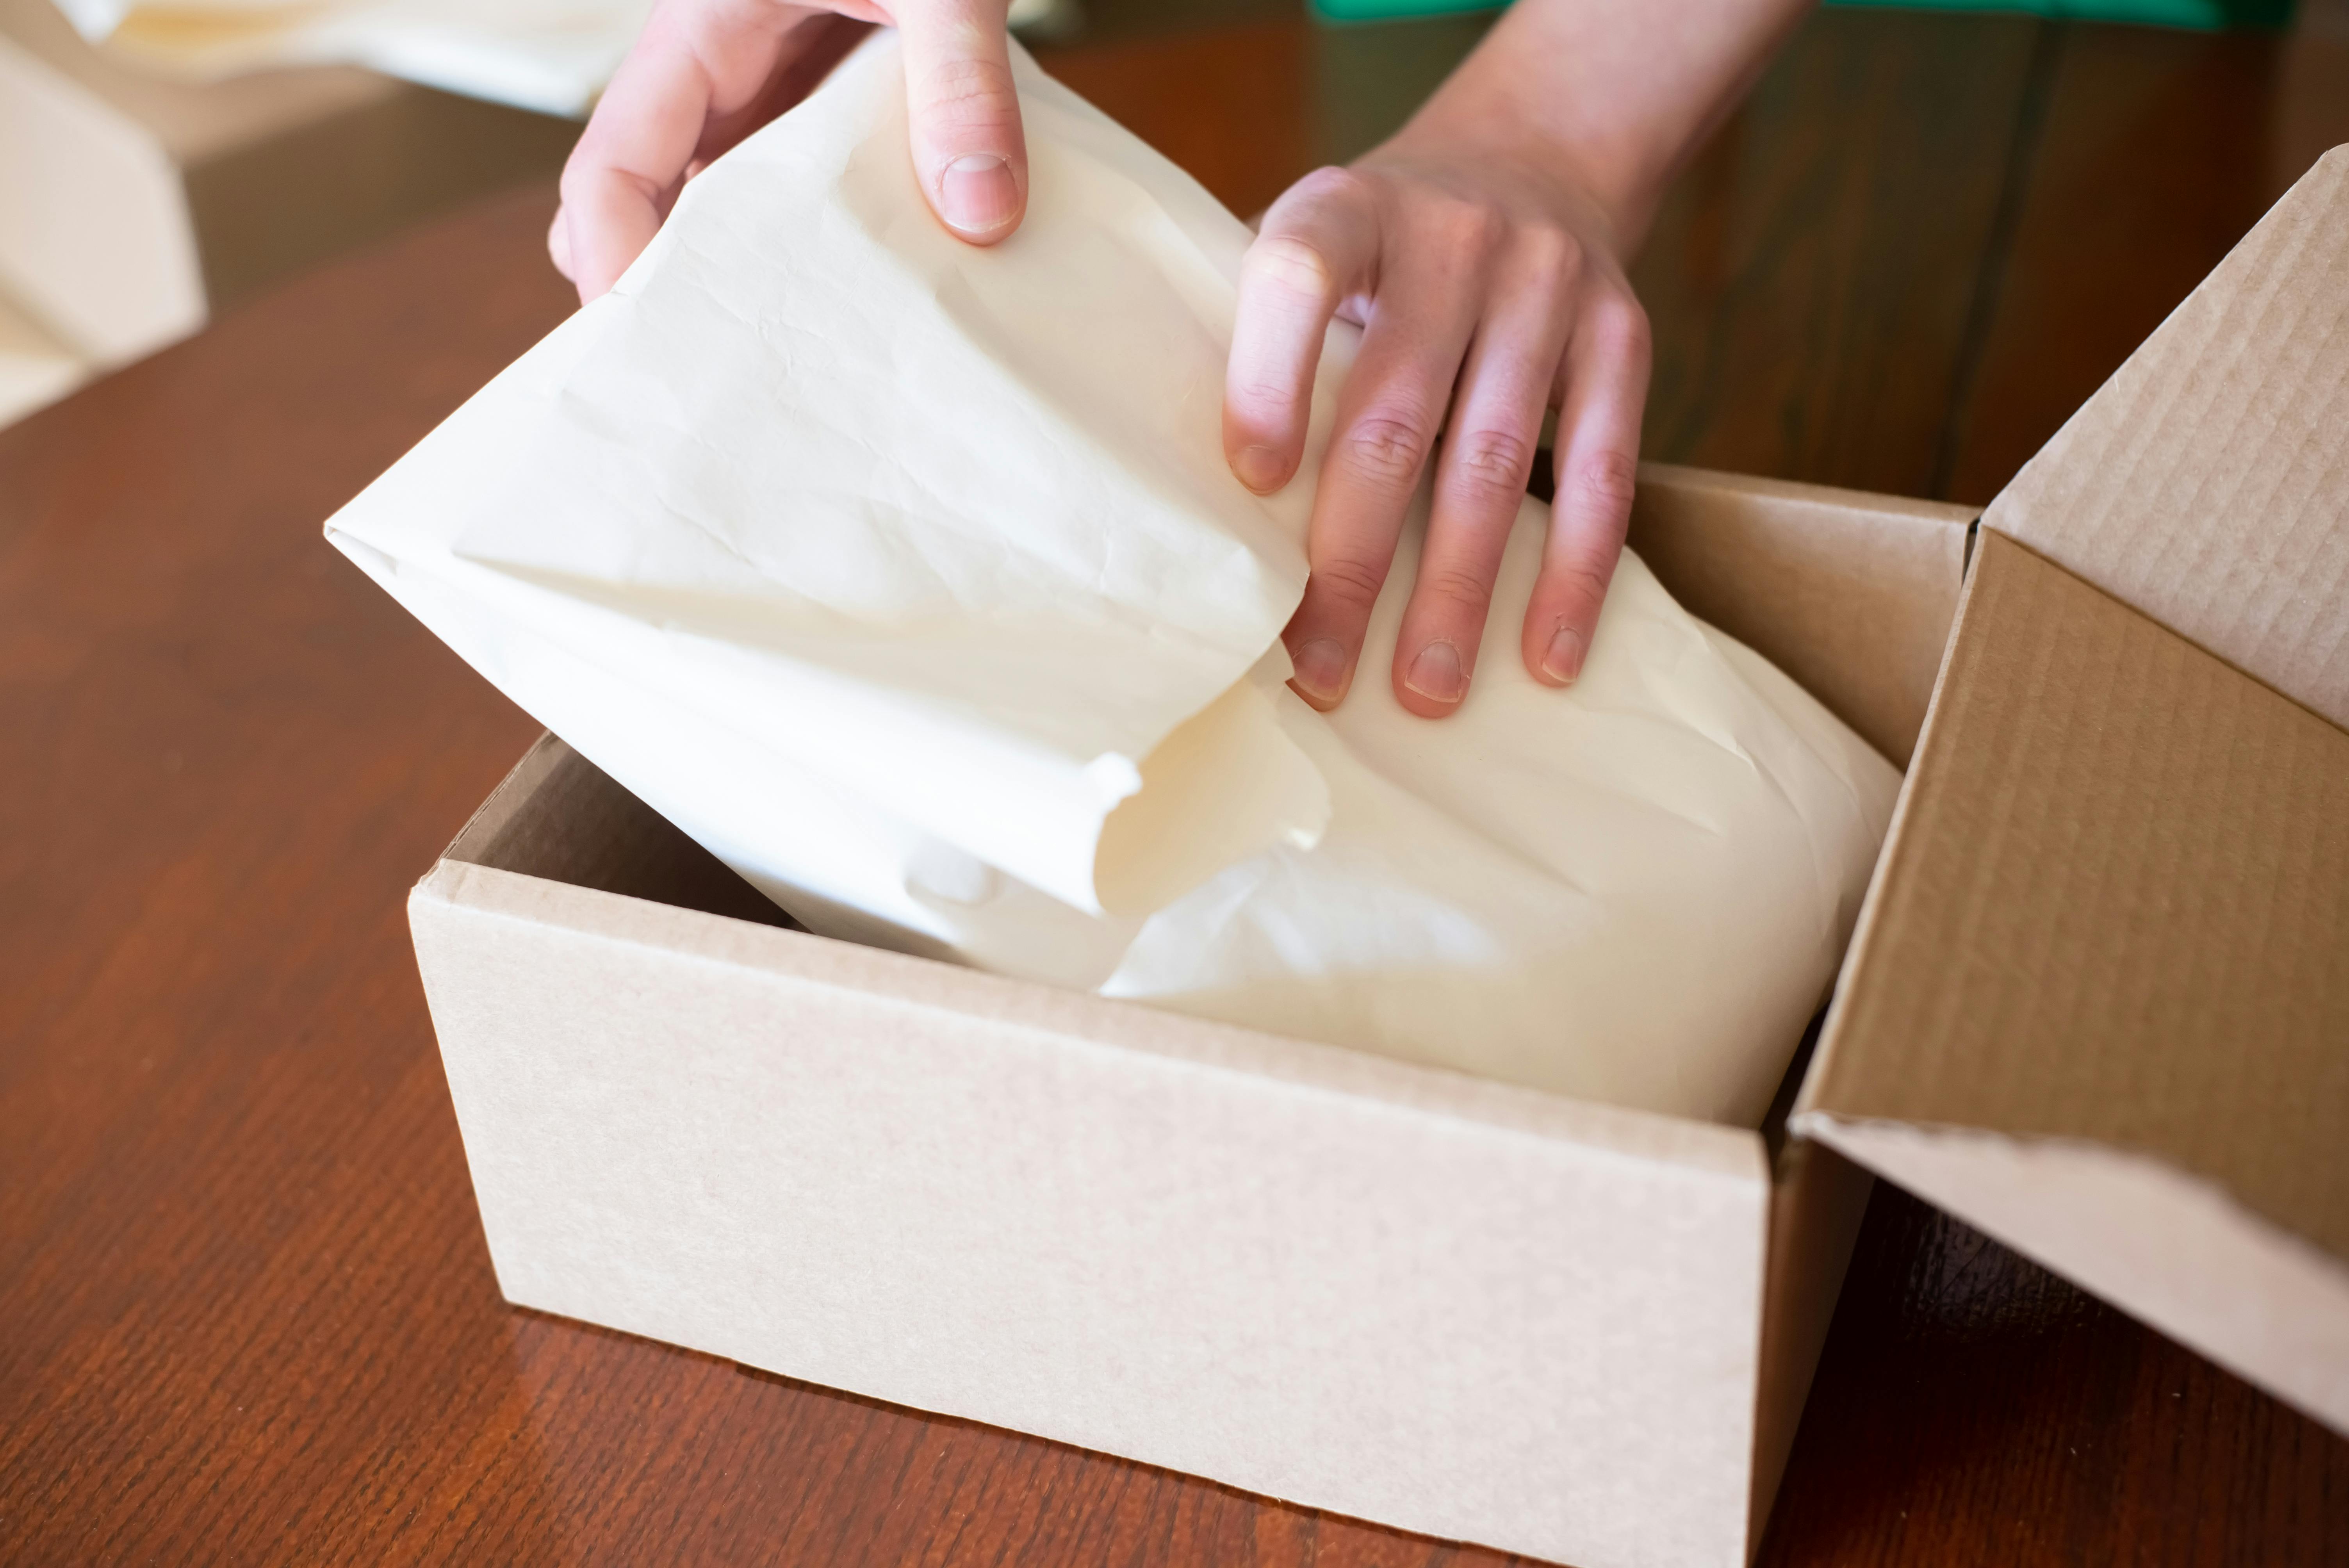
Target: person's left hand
(1491, 289)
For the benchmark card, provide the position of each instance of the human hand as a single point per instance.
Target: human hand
(706, 72)
(1490, 289)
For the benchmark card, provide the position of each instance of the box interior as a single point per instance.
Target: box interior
(1852, 594)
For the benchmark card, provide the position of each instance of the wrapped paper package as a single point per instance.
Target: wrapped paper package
(908, 578)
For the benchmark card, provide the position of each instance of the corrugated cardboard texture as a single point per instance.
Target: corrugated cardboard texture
(2171, 1248)
(1849, 594)
(2207, 482)
(1453, 1306)
(2115, 908)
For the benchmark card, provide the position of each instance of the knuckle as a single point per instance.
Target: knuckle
(971, 94)
(1467, 232)
(1550, 249)
(1494, 462)
(1351, 581)
(1623, 327)
(587, 182)
(1386, 448)
(1604, 482)
(1291, 266)
(1473, 226)
(1328, 184)
(1581, 585)
(1260, 391)
(1457, 591)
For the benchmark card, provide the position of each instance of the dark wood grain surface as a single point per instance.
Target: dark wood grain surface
(246, 1312)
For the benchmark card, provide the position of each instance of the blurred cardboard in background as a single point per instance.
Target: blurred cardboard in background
(132, 208)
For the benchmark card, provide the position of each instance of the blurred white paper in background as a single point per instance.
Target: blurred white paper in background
(134, 205)
(551, 55)
(908, 578)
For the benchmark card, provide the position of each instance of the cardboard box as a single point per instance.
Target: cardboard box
(132, 206)
(34, 367)
(2098, 1005)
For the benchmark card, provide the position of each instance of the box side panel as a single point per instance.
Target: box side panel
(2176, 1251)
(517, 795)
(1444, 1324)
(2207, 483)
(94, 236)
(187, 121)
(1851, 595)
(1815, 1220)
(2114, 911)
(559, 816)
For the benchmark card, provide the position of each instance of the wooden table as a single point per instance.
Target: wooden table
(245, 1313)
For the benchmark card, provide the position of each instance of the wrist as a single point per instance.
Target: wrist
(1606, 98)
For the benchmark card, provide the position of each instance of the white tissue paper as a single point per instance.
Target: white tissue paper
(552, 55)
(908, 577)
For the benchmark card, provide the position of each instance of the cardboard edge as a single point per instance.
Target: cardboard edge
(470, 953)
(2201, 483)
(1695, 480)
(513, 792)
(1818, 1202)
(1851, 593)
(2187, 1259)
(1889, 860)
(795, 960)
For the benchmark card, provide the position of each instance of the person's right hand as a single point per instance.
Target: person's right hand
(706, 72)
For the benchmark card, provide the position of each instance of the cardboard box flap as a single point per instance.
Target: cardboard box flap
(2098, 1002)
(2207, 483)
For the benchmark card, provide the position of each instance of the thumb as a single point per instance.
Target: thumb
(968, 151)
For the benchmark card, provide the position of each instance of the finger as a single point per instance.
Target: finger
(1387, 418)
(689, 62)
(1480, 482)
(1598, 455)
(558, 243)
(1317, 245)
(810, 49)
(969, 148)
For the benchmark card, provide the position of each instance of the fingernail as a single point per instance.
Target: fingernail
(1435, 674)
(978, 194)
(1563, 663)
(1320, 669)
(1259, 468)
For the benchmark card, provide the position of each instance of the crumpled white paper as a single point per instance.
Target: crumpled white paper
(909, 579)
(552, 55)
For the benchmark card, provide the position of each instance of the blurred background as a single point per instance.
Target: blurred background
(162, 161)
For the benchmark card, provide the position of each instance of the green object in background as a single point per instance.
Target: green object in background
(2201, 15)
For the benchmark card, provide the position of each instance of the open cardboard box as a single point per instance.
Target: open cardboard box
(2098, 1005)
